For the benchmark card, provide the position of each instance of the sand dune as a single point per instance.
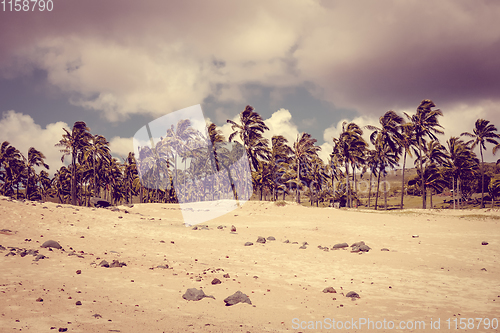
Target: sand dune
(444, 273)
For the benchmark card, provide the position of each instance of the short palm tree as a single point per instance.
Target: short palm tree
(348, 148)
(303, 152)
(483, 132)
(35, 159)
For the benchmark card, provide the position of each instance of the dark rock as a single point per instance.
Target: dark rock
(295, 243)
(39, 299)
(104, 263)
(195, 227)
(287, 241)
(305, 243)
(329, 290)
(162, 266)
(364, 248)
(248, 244)
(220, 227)
(352, 294)
(204, 227)
(340, 246)
(483, 269)
(58, 206)
(40, 256)
(193, 294)
(303, 247)
(216, 281)
(261, 240)
(116, 263)
(237, 297)
(271, 238)
(2, 248)
(384, 249)
(233, 228)
(484, 243)
(226, 276)
(79, 271)
(78, 303)
(51, 243)
(358, 244)
(63, 329)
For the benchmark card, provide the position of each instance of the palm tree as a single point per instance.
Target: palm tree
(35, 158)
(73, 144)
(462, 162)
(406, 142)
(348, 148)
(386, 140)
(97, 151)
(278, 158)
(9, 157)
(425, 123)
(303, 152)
(483, 132)
(435, 155)
(250, 132)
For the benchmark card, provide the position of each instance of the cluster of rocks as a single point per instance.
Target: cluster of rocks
(193, 294)
(115, 263)
(352, 295)
(261, 240)
(22, 252)
(200, 227)
(355, 248)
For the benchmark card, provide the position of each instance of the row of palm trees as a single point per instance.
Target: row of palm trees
(187, 165)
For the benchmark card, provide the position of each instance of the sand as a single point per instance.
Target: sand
(444, 273)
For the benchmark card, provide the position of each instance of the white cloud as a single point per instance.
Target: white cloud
(121, 147)
(22, 132)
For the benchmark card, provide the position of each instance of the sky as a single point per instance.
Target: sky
(305, 66)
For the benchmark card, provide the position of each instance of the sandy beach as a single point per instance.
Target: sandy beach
(444, 274)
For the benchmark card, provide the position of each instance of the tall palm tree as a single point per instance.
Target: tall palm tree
(303, 152)
(483, 132)
(250, 132)
(386, 140)
(73, 144)
(348, 148)
(425, 123)
(35, 158)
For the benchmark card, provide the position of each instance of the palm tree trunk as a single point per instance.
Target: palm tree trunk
(385, 193)
(482, 177)
(403, 181)
(370, 190)
(73, 178)
(378, 187)
(348, 204)
(354, 178)
(422, 186)
(432, 190)
(453, 185)
(298, 180)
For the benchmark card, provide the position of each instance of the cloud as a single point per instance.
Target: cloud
(22, 132)
(120, 147)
